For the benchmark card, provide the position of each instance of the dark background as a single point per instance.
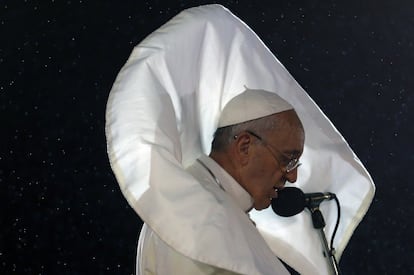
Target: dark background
(62, 211)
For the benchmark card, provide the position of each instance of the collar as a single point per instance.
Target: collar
(229, 184)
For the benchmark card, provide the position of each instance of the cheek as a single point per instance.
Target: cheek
(264, 180)
(260, 176)
(266, 184)
(267, 175)
(253, 178)
(260, 179)
(261, 168)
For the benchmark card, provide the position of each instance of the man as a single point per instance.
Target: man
(255, 150)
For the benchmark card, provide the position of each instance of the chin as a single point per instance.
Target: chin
(261, 207)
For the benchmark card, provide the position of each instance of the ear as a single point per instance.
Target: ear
(243, 144)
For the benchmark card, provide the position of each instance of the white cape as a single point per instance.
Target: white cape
(163, 110)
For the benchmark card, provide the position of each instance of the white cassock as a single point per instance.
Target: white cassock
(233, 245)
(161, 115)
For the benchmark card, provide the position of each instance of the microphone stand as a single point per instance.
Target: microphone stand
(319, 223)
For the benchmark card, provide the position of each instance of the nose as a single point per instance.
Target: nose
(292, 176)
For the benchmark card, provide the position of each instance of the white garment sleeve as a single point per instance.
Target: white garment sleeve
(156, 257)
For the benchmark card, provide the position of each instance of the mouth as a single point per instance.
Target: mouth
(280, 187)
(275, 190)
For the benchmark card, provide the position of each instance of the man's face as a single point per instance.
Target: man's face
(266, 171)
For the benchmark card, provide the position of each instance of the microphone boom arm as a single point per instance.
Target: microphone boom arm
(319, 224)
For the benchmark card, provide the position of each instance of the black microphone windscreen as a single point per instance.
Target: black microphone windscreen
(290, 201)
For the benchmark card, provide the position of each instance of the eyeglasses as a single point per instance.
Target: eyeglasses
(289, 165)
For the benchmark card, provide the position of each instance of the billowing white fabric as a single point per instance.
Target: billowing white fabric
(162, 112)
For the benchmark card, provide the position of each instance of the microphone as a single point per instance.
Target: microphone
(314, 199)
(292, 201)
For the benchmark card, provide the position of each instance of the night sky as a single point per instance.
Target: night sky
(62, 211)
